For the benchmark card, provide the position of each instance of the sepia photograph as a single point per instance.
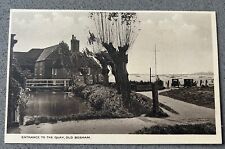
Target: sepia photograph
(112, 77)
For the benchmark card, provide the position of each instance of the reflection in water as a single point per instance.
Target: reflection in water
(54, 104)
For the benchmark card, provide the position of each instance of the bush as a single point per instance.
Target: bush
(97, 104)
(106, 99)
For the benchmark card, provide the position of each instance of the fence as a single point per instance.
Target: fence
(47, 83)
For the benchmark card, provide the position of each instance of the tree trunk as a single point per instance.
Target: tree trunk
(105, 72)
(155, 106)
(85, 79)
(116, 78)
(101, 57)
(94, 78)
(97, 78)
(124, 85)
(84, 72)
(106, 79)
(120, 59)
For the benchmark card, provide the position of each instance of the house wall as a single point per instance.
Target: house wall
(39, 70)
(46, 69)
(61, 73)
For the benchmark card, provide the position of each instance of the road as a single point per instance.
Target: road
(187, 112)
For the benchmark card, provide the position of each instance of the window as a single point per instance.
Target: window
(54, 71)
(89, 71)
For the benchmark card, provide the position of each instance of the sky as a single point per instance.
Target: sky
(183, 41)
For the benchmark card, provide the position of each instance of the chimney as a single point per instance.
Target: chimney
(74, 45)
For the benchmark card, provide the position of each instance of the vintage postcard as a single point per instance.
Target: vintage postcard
(112, 77)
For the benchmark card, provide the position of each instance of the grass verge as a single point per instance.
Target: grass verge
(204, 128)
(195, 95)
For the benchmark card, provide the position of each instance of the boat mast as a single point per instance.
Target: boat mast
(155, 62)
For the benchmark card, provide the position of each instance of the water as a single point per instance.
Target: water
(54, 104)
(165, 78)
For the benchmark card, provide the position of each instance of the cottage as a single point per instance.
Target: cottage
(58, 62)
(54, 63)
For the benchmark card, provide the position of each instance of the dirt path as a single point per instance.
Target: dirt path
(188, 113)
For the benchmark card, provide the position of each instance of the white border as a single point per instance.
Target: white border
(216, 76)
(127, 138)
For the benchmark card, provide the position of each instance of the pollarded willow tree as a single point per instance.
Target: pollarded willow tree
(117, 31)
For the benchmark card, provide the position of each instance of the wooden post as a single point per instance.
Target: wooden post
(150, 75)
(206, 83)
(155, 98)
